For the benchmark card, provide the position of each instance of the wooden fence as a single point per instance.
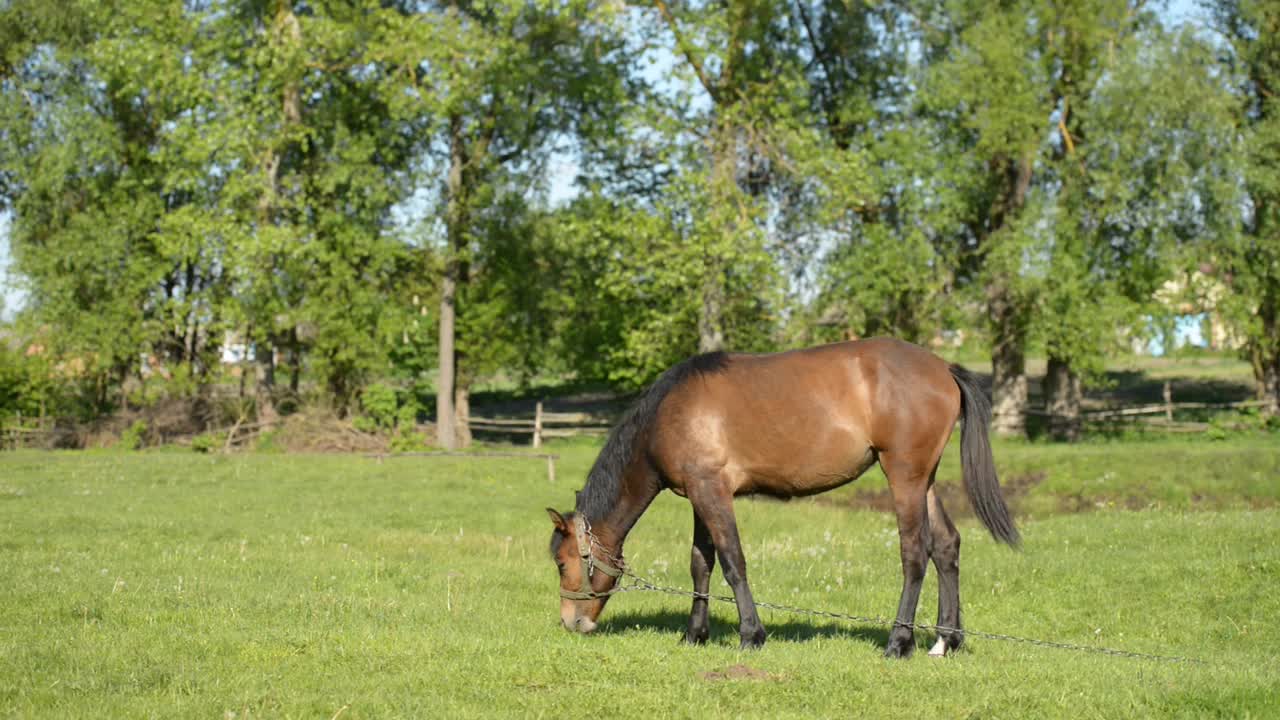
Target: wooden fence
(14, 436)
(544, 424)
(20, 432)
(1156, 416)
(25, 432)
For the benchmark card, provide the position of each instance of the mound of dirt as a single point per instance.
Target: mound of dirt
(318, 431)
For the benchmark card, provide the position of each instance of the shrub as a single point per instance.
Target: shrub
(379, 403)
(131, 438)
(208, 442)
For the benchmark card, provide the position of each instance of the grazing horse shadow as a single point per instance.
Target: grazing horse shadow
(790, 631)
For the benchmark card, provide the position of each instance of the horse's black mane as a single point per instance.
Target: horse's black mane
(604, 482)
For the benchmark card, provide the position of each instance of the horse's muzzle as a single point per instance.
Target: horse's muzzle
(579, 624)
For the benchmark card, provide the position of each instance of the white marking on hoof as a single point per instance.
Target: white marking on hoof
(939, 648)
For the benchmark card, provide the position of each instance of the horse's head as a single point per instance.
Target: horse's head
(588, 571)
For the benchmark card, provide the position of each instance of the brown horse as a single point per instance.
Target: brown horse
(788, 424)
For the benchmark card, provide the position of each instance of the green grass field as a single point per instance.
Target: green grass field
(177, 585)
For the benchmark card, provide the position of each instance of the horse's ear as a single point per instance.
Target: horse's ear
(558, 520)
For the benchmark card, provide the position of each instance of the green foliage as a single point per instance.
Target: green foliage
(1250, 258)
(28, 384)
(209, 442)
(247, 191)
(634, 309)
(1087, 160)
(300, 177)
(379, 404)
(388, 411)
(133, 436)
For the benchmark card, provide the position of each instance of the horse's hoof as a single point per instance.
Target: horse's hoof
(753, 641)
(939, 648)
(695, 639)
(900, 648)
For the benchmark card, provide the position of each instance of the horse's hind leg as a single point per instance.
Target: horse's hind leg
(944, 549)
(909, 483)
(715, 507)
(701, 561)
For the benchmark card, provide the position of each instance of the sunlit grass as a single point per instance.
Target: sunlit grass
(287, 586)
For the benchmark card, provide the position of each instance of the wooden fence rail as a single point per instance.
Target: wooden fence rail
(544, 424)
(1138, 413)
(21, 432)
(18, 432)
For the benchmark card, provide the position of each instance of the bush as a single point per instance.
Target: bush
(131, 438)
(27, 385)
(384, 411)
(379, 403)
(208, 442)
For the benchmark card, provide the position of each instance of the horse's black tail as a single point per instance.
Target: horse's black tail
(977, 462)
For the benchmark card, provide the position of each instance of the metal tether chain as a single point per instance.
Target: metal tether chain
(639, 583)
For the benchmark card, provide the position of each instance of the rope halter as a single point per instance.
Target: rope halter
(590, 563)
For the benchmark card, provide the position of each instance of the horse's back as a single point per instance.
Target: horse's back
(802, 421)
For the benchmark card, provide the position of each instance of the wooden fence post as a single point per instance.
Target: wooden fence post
(537, 431)
(551, 469)
(1168, 402)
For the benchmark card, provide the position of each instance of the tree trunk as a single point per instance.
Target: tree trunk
(288, 32)
(295, 372)
(1062, 400)
(455, 217)
(444, 384)
(264, 356)
(1008, 367)
(710, 319)
(1269, 387)
(462, 406)
(724, 190)
(1264, 352)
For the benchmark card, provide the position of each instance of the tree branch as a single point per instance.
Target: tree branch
(694, 61)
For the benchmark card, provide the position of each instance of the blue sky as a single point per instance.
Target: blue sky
(562, 170)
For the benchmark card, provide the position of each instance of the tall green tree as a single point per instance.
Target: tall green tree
(1251, 258)
(179, 170)
(90, 191)
(504, 82)
(891, 265)
(1072, 175)
(1141, 177)
(988, 92)
(741, 58)
(319, 166)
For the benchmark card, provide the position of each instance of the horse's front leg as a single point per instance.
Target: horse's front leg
(716, 510)
(701, 561)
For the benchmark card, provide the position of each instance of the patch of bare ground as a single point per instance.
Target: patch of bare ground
(1014, 487)
(738, 672)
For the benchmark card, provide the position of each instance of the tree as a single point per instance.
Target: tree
(740, 57)
(1250, 259)
(1071, 175)
(182, 170)
(89, 190)
(988, 93)
(1141, 178)
(504, 80)
(891, 265)
(318, 170)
